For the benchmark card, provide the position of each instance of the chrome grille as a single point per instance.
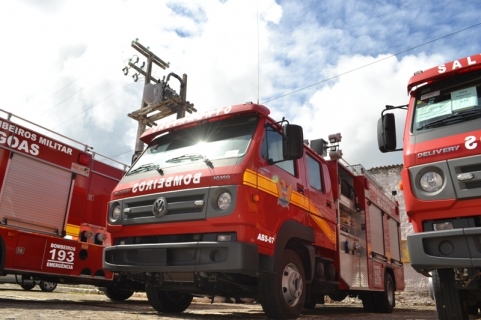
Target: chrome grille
(180, 205)
(467, 188)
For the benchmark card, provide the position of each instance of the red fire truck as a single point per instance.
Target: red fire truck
(442, 180)
(53, 205)
(232, 203)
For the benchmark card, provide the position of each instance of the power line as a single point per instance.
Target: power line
(131, 150)
(69, 85)
(103, 75)
(62, 88)
(95, 104)
(366, 65)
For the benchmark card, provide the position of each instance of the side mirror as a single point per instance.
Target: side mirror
(293, 142)
(386, 133)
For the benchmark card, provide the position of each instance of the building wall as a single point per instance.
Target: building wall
(389, 177)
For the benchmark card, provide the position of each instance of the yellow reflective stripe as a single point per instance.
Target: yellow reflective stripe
(267, 185)
(331, 234)
(262, 183)
(300, 200)
(72, 230)
(250, 178)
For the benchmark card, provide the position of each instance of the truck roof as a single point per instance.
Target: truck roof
(153, 132)
(446, 70)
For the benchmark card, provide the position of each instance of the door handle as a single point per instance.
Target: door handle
(328, 204)
(300, 188)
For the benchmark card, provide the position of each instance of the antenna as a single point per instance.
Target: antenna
(258, 52)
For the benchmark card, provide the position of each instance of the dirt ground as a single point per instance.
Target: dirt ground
(68, 302)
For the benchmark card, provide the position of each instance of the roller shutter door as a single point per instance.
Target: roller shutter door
(394, 239)
(35, 195)
(377, 234)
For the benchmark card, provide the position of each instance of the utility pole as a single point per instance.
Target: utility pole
(158, 99)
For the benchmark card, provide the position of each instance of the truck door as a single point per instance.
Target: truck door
(283, 188)
(321, 207)
(35, 195)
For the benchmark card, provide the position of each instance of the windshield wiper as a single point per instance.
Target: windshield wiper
(452, 118)
(192, 157)
(147, 167)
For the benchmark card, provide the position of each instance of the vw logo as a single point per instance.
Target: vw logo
(160, 207)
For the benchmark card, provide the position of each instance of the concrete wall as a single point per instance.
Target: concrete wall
(389, 177)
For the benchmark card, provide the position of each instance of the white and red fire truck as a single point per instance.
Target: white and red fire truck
(53, 204)
(442, 180)
(232, 203)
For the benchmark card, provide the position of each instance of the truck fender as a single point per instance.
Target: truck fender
(303, 237)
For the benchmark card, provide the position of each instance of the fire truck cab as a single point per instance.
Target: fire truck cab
(233, 203)
(441, 179)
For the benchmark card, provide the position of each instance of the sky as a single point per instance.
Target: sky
(330, 66)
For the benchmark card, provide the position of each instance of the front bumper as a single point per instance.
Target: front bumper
(456, 248)
(229, 257)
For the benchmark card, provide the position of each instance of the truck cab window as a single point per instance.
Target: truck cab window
(272, 149)
(227, 138)
(314, 173)
(450, 104)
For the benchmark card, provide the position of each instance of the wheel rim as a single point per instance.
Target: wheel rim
(27, 286)
(49, 285)
(292, 285)
(390, 292)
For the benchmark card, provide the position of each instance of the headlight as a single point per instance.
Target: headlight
(431, 181)
(115, 213)
(224, 200)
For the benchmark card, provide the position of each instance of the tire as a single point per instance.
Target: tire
(339, 296)
(311, 304)
(368, 302)
(27, 286)
(47, 286)
(116, 294)
(283, 296)
(386, 301)
(167, 301)
(446, 296)
(472, 310)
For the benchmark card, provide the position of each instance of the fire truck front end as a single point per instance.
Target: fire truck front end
(177, 212)
(442, 181)
(185, 219)
(442, 156)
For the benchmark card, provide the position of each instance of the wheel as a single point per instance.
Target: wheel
(446, 296)
(27, 286)
(167, 301)
(472, 310)
(283, 296)
(311, 304)
(385, 301)
(368, 301)
(47, 286)
(339, 296)
(116, 294)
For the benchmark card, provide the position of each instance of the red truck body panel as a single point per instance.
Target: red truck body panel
(53, 205)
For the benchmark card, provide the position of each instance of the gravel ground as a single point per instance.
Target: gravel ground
(403, 299)
(85, 302)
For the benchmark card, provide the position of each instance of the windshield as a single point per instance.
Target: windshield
(229, 138)
(453, 103)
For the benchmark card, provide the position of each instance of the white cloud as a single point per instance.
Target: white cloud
(352, 104)
(224, 47)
